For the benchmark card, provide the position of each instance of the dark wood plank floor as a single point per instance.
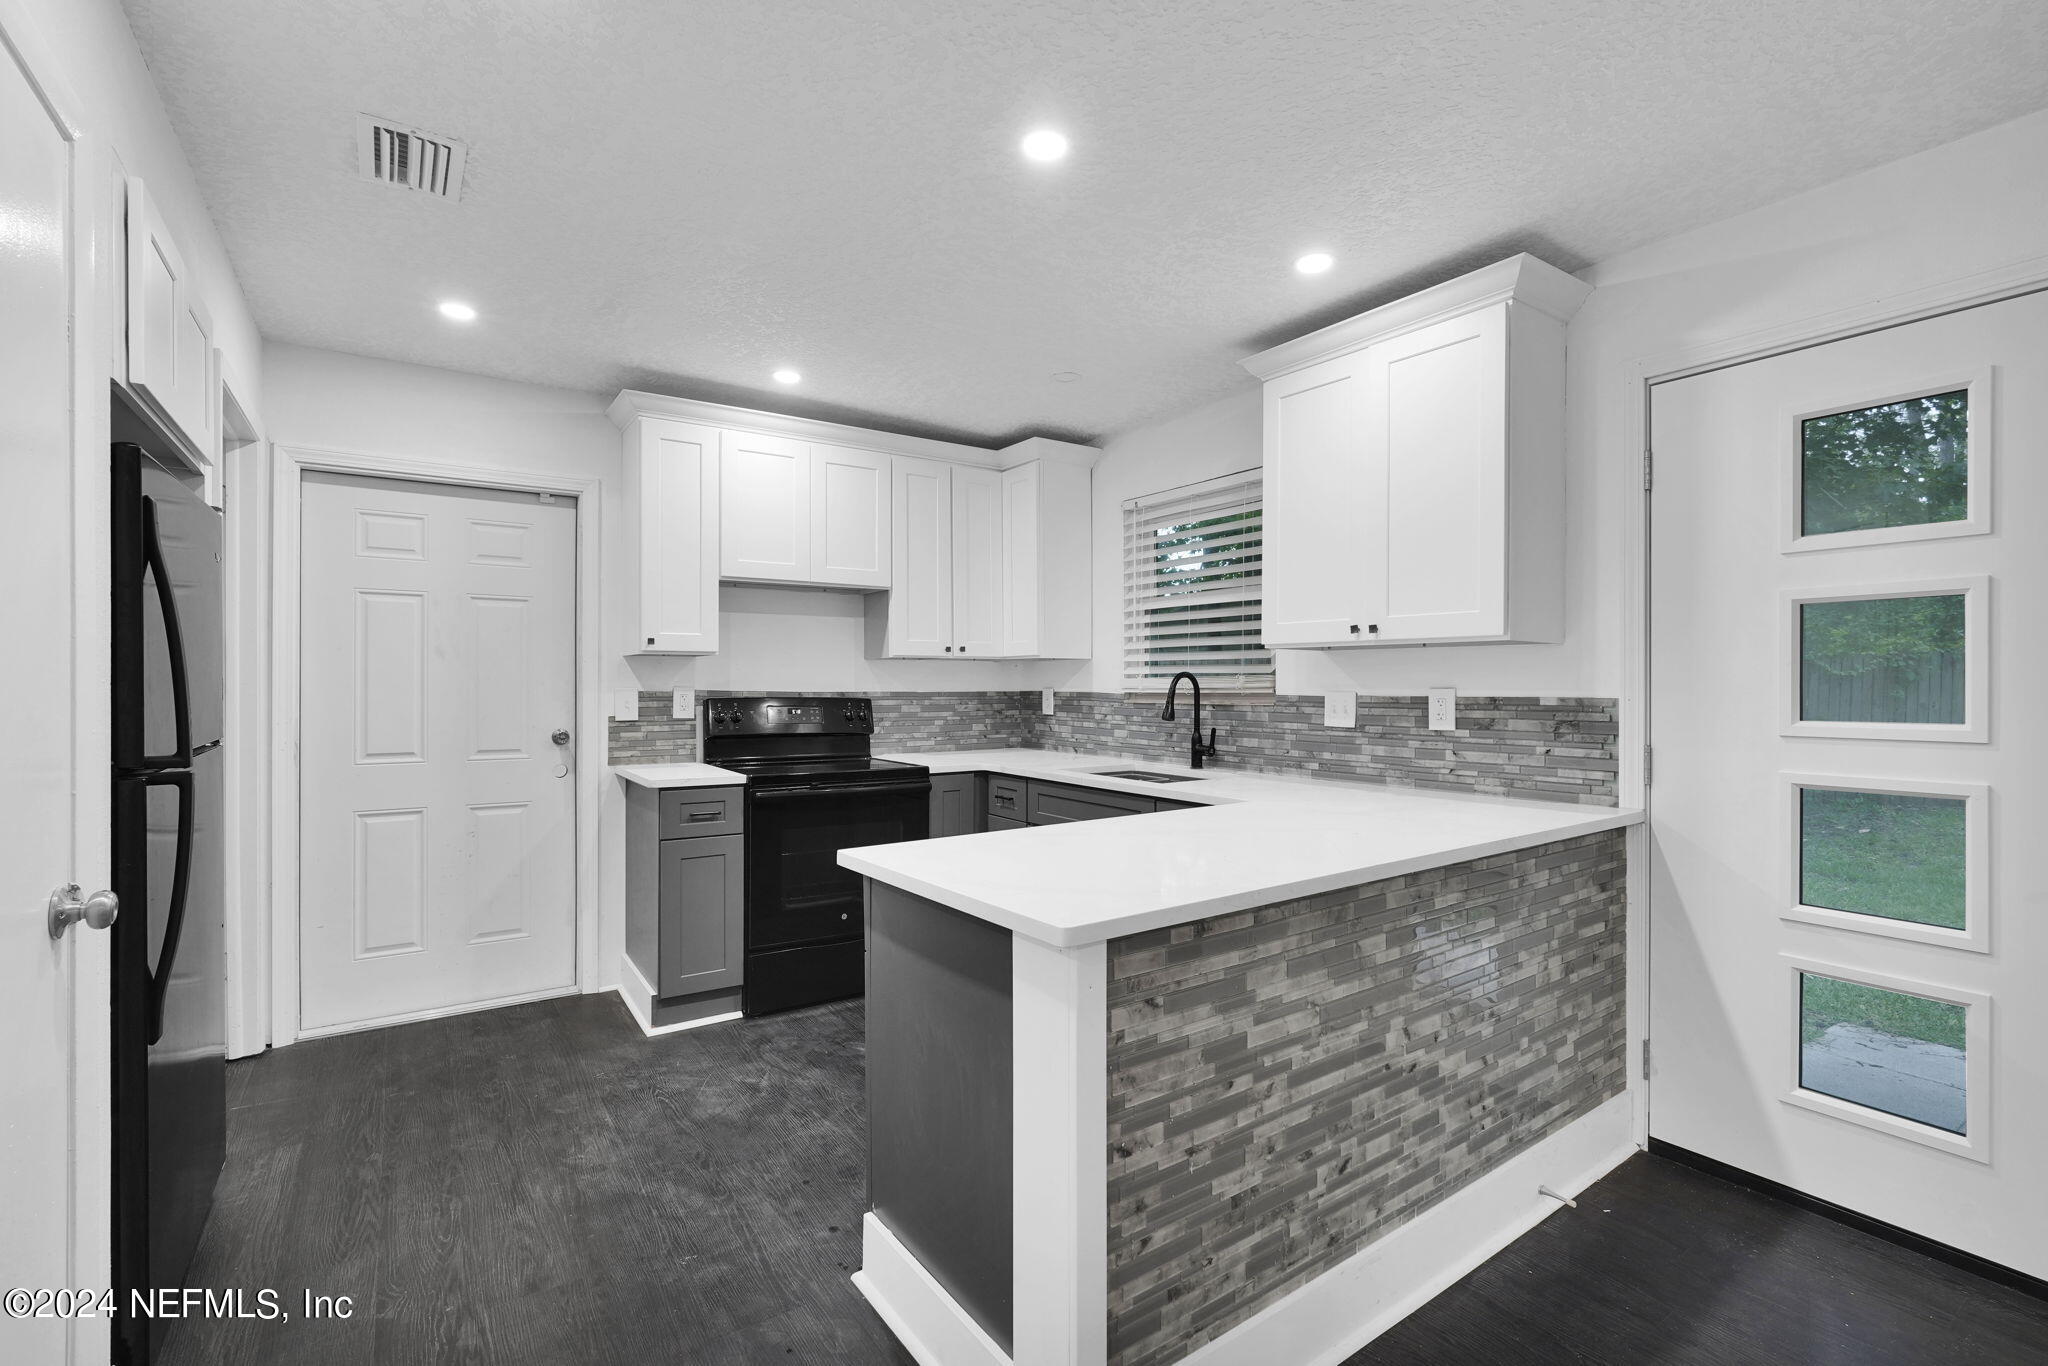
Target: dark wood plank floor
(543, 1184)
(1662, 1265)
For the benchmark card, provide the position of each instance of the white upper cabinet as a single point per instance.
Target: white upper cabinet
(672, 560)
(1415, 467)
(170, 337)
(849, 517)
(764, 508)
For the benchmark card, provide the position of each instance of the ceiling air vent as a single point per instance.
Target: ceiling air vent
(408, 158)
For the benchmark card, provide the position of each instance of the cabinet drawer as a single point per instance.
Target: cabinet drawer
(693, 811)
(1006, 797)
(1054, 804)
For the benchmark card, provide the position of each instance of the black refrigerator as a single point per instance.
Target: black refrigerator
(170, 963)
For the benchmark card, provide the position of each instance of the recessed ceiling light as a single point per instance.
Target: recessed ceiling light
(787, 376)
(1043, 144)
(1065, 376)
(457, 311)
(1315, 263)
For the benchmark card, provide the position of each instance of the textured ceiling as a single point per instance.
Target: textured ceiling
(683, 197)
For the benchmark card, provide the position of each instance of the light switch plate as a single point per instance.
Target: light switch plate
(683, 704)
(1340, 709)
(1045, 702)
(625, 705)
(1443, 708)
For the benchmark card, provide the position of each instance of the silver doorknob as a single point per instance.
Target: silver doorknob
(561, 737)
(69, 905)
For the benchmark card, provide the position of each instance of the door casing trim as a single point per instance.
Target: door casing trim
(294, 462)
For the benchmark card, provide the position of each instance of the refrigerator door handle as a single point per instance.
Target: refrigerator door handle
(181, 887)
(174, 642)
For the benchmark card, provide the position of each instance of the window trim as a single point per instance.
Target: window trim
(1974, 937)
(1975, 727)
(1981, 387)
(1975, 1144)
(1222, 689)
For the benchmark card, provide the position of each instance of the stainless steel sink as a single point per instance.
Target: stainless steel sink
(1146, 775)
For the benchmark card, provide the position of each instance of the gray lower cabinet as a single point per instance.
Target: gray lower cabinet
(956, 804)
(1056, 804)
(1005, 823)
(685, 901)
(703, 923)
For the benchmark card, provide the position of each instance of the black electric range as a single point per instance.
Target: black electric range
(812, 790)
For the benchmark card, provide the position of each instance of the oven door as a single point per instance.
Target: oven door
(796, 891)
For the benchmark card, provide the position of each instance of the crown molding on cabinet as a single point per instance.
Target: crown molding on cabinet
(1523, 279)
(632, 403)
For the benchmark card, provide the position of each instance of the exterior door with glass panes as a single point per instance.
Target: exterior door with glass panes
(1849, 727)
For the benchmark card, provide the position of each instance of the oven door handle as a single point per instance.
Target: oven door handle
(791, 794)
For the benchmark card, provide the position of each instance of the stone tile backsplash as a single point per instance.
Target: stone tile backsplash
(1558, 748)
(1291, 1083)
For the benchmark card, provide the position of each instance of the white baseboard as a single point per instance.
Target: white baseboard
(1355, 1301)
(636, 991)
(929, 1323)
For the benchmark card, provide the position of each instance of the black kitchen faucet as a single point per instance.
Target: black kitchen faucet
(1197, 751)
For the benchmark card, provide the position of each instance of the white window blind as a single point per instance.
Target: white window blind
(1191, 587)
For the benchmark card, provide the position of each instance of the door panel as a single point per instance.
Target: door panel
(438, 815)
(764, 511)
(51, 627)
(1325, 573)
(1847, 943)
(849, 517)
(977, 562)
(1437, 394)
(703, 920)
(921, 591)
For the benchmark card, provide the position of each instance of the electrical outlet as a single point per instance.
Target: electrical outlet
(683, 704)
(1340, 709)
(1045, 702)
(1443, 708)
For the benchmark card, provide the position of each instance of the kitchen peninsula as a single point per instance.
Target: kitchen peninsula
(1197, 1084)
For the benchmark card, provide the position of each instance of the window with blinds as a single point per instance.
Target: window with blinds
(1191, 587)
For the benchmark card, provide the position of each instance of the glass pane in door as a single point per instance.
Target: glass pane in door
(1895, 464)
(1891, 854)
(1891, 660)
(1888, 1050)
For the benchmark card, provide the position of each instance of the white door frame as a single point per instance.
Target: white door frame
(1634, 383)
(94, 243)
(292, 464)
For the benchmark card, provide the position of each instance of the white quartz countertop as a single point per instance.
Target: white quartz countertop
(678, 775)
(1256, 839)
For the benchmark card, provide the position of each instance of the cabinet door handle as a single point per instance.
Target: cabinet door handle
(706, 815)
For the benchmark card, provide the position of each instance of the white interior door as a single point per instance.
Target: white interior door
(53, 1107)
(437, 808)
(1848, 944)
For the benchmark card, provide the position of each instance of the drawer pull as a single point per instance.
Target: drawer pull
(706, 815)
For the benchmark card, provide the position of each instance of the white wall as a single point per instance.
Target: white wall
(1974, 206)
